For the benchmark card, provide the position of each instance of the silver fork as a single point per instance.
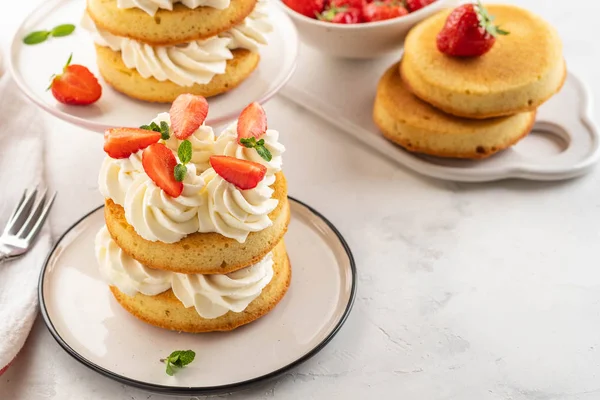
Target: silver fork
(24, 224)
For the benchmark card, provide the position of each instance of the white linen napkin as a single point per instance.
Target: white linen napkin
(21, 167)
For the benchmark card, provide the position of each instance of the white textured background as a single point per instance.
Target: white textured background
(475, 292)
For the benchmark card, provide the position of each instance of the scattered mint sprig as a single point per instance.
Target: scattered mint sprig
(262, 151)
(164, 130)
(184, 152)
(178, 359)
(41, 36)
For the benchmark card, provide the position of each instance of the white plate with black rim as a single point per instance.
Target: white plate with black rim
(91, 326)
(32, 66)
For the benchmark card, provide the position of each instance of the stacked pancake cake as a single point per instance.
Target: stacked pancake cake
(194, 229)
(155, 50)
(469, 84)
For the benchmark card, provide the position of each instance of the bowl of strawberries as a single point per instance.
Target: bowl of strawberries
(359, 28)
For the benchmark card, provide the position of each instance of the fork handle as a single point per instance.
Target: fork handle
(3, 257)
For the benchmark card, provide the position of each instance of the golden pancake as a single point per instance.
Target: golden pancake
(166, 311)
(521, 71)
(421, 128)
(201, 253)
(131, 83)
(181, 25)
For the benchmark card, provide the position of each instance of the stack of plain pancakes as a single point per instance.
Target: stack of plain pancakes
(470, 108)
(212, 259)
(154, 50)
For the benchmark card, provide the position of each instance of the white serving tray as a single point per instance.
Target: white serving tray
(564, 142)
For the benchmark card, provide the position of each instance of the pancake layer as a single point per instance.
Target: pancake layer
(130, 82)
(166, 311)
(201, 253)
(421, 128)
(520, 72)
(181, 25)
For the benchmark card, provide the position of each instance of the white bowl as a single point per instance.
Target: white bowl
(366, 40)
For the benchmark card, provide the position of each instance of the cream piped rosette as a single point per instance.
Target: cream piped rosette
(150, 7)
(156, 216)
(192, 63)
(211, 295)
(227, 145)
(232, 212)
(202, 140)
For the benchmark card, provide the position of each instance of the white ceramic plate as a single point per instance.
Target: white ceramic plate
(90, 325)
(564, 143)
(32, 66)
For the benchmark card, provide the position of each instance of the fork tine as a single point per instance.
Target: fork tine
(34, 215)
(14, 211)
(16, 221)
(40, 222)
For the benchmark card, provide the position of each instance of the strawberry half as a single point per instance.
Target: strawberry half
(188, 113)
(252, 122)
(123, 142)
(469, 31)
(159, 163)
(241, 173)
(75, 86)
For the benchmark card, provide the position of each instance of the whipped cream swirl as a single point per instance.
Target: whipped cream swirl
(151, 6)
(192, 63)
(121, 270)
(215, 295)
(156, 216)
(228, 145)
(253, 32)
(211, 295)
(203, 142)
(232, 212)
(117, 175)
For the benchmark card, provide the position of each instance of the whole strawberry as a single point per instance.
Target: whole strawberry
(469, 32)
(342, 15)
(382, 10)
(76, 85)
(414, 5)
(308, 8)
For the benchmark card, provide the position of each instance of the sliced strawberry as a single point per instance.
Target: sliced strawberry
(76, 86)
(123, 142)
(252, 122)
(159, 163)
(241, 173)
(188, 113)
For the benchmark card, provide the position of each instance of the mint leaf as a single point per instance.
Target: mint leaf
(62, 30)
(185, 152)
(264, 153)
(180, 172)
(248, 142)
(178, 359)
(186, 357)
(154, 126)
(36, 37)
(164, 130)
(146, 127)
